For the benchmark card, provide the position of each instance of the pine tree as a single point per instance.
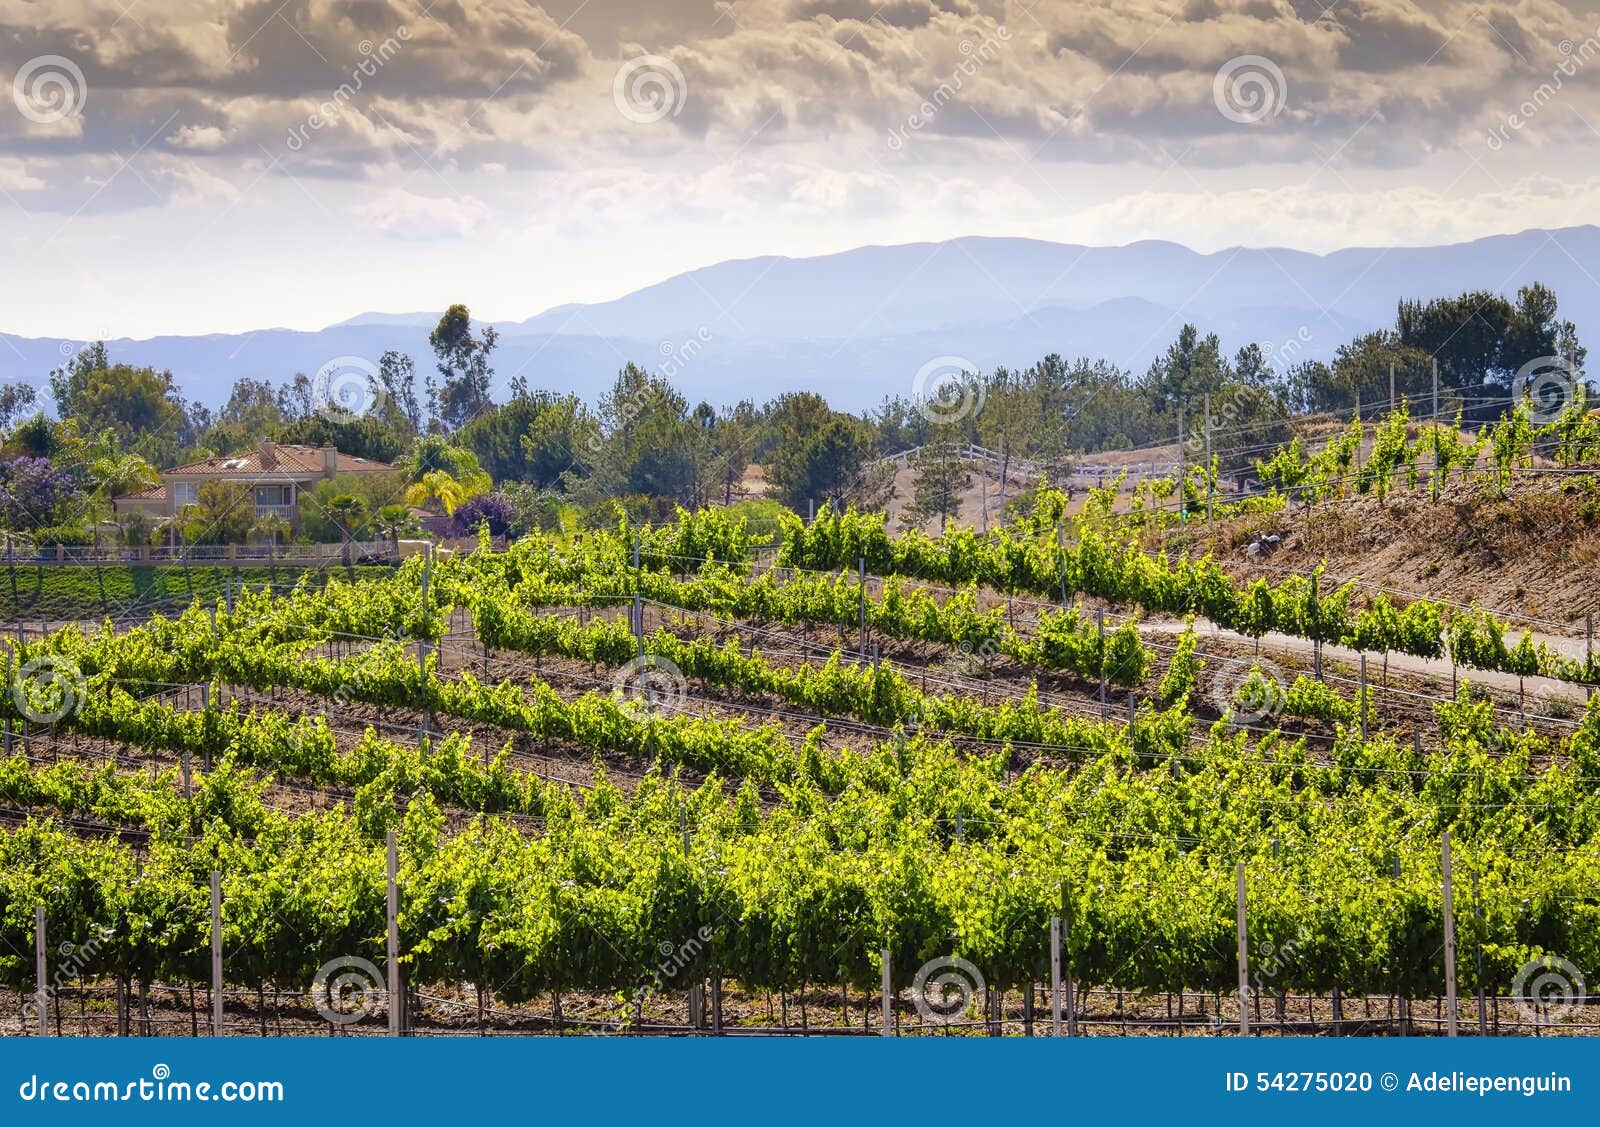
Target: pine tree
(939, 477)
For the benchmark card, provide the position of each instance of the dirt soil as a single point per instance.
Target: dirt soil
(1535, 552)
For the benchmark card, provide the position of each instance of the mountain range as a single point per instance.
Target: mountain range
(859, 325)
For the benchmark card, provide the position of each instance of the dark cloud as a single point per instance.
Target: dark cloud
(892, 13)
(361, 88)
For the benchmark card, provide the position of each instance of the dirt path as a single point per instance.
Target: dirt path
(1438, 668)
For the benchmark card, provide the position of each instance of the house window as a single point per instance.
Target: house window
(274, 495)
(185, 493)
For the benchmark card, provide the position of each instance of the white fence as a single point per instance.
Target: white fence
(312, 555)
(1076, 474)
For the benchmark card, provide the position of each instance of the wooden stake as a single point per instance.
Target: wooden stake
(1066, 981)
(1055, 976)
(1316, 626)
(1361, 702)
(216, 954)
(1244, 960)
(861, 572)
(1182, 469)
(41, 994)
(1100, 627)
(888, 998)
(1449, 940)
(1483, 1010)
(394, 936)
(427, 574)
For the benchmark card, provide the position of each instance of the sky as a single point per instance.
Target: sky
(195, 166)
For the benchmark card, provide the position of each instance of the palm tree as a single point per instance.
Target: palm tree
(395, 521)
(438, 487)
(114, 474)
(345, 510)
(438, 473)
(271, 525)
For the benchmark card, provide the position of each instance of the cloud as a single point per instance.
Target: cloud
(407, 215)
(860, 119)
(411, 84)
(198, 138)
(1322, 221)
(15, 177)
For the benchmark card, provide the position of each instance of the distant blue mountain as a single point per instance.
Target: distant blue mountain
(858, 325)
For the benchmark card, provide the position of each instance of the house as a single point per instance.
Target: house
(276, 475)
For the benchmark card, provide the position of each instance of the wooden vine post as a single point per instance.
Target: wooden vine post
(1244, 960)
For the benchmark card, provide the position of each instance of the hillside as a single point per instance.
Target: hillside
(1535, 552)
(858, 325)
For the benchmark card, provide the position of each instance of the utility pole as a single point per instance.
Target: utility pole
(1209, 484)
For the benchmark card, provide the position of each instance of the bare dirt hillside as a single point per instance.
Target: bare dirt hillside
(1535, 552)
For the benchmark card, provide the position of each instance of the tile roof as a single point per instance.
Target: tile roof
(297, 460)
(154, 493)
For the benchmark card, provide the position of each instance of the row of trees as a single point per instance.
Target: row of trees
(643, 444)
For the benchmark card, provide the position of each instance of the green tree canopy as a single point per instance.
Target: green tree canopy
(463, 361)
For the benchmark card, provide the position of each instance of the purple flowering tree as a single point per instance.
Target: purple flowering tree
(34, 494)
(494, 508)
